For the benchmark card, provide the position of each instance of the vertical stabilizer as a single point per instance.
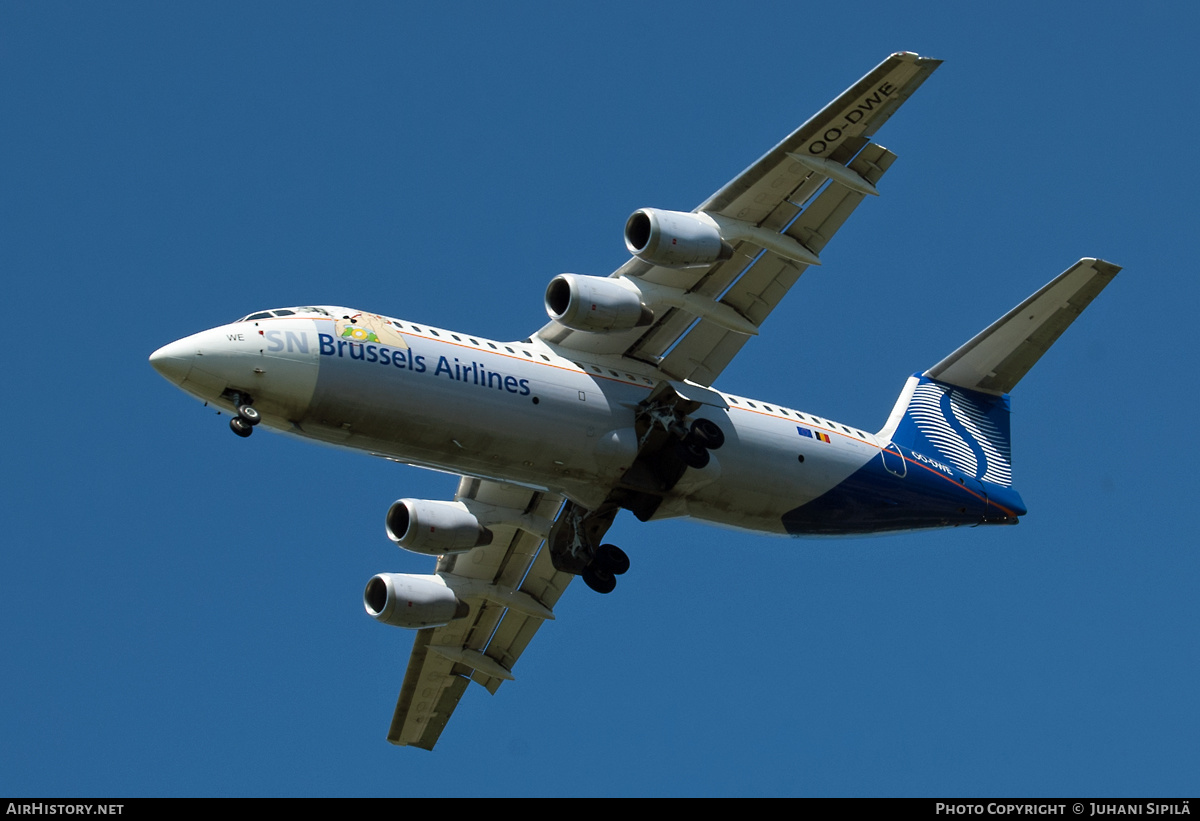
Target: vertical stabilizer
(966, 428)
(958, 410)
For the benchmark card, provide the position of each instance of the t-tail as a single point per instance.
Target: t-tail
(957, 412)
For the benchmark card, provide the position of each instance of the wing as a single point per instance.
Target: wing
(511, 588)
(777, 216)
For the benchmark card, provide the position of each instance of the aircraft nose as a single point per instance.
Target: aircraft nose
(174, 361)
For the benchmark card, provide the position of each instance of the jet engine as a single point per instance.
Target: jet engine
(407, 600)
(434, 528)
(595, 304)
(674, 239)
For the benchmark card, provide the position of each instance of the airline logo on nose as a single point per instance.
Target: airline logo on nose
(363, 327)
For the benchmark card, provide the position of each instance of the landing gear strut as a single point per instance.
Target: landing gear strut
(667, 446)
(575, 546)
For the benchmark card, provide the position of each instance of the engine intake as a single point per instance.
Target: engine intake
(596, 304)
(434, 528)
(675, 239)
(416, 602)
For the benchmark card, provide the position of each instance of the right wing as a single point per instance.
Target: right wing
(511, 588)
(780, 212)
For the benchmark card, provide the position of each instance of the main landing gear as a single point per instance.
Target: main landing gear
(693, 449)
(691, 446)
(247, 417)
(609, 562)
(575, 547)
(667, 447)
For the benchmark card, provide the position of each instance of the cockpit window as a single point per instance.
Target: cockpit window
(285, 312)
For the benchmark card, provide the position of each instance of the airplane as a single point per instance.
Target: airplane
(611, 406)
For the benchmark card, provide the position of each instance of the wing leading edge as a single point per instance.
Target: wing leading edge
(511, 588)
(779, 214)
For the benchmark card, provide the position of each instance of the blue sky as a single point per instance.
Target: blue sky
(182, 609)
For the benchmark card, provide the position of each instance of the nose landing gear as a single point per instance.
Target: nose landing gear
(247, 417)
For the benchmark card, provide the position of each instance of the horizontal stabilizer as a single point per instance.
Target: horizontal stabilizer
(996, 359)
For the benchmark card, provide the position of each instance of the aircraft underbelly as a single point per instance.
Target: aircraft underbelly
(775, 479)
(438, 405)
(485, 415)
(875, 500)
(768, 468)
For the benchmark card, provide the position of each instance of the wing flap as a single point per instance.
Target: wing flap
(544, 585)
(704, 351)
(428, 696)
(819, 222)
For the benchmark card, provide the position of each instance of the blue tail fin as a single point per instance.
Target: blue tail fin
(958, 410)
(966, 428)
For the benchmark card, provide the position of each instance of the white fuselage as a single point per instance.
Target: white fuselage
(516, 412)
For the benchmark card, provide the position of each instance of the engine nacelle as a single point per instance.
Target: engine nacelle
(434, 528)
(595, 304)
(674, 239)
(407, 600)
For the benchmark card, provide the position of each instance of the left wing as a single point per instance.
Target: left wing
(775, 219)
(511, 588)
